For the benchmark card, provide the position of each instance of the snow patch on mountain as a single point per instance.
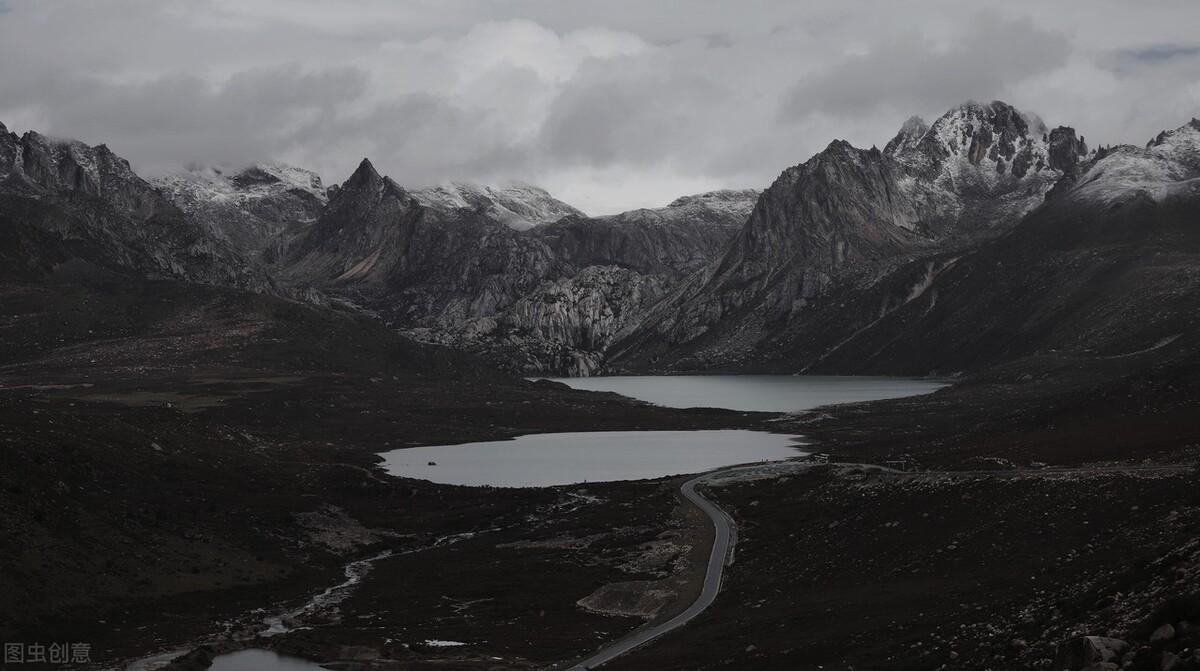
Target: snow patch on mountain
(974, 147)
(990, 161)
(216, 184)
(256, 208)
(731, 203)
(1168, 165)
(517, 205)
(40, 162)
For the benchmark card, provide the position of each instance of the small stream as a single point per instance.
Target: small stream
(292, 620)
(542, 460)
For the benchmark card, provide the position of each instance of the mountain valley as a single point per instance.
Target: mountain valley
(198, 372)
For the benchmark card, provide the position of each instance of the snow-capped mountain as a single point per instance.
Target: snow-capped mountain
(847, 217)
(1106, 272)
(1168, 165)
(518, 206)
(530, 298)
(258, 208)
(69, 202)
(951, 250)
(979, 166)
(857, 260)
(36, 164)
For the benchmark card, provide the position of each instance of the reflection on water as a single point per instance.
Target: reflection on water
(769, 393)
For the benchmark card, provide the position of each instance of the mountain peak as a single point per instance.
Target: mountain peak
(1165, 137)
(1065, 149)
(978, 146)
(908, 136)
(364, 176)
(997, 114)
(281, 174)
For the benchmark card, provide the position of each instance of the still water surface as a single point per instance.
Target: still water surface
(544, 460)
(548, 459)
(768, 393)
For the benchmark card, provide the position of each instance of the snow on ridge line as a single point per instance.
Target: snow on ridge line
(518, 205)
(1169, 164)
(219, 184)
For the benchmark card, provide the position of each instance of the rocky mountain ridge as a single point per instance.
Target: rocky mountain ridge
(808, 275)
(544, 298)
(845, 221)
(1104, 270)
(518, 206)
(258, 209)
(68, 204)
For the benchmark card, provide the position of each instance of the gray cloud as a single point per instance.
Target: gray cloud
(1162, 52)
(1157, 56)
(610, 105)
(909, 72)
(629, 120)
(252, 115)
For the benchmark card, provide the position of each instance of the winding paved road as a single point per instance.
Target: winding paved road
(722, 540)
(725, 535)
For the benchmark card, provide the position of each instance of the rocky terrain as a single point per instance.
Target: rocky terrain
(919, 258)
(518, 206)
(507, 272)
(259, 210)
(1019, 523)
(845, 567)
(175, 425)
(545, 298)
(191, 436)
(177, 457)
(69, 208)
(854, 231)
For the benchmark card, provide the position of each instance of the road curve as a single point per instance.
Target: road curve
(722, 540)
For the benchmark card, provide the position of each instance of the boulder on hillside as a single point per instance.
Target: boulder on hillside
(1083, 652)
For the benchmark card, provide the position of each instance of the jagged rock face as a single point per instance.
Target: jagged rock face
(63, 200)
(562, 327)
(841, 221)
(1065, 149)
(382, 246)
(37, 165)
(1106, 273)
(671, 240)
(547, 298)
(259, 209)
(980, 168)
(611, 271)
(1164, 168)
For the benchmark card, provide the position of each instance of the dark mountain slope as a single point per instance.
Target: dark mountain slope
(846, 219)
(544, 298)
(85, 205)
(166, 438)
(259, 210)
(1109, 267)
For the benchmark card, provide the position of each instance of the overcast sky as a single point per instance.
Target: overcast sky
(609, 104)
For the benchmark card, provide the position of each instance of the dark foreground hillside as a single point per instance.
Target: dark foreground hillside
(188, 457)
(177, 454)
